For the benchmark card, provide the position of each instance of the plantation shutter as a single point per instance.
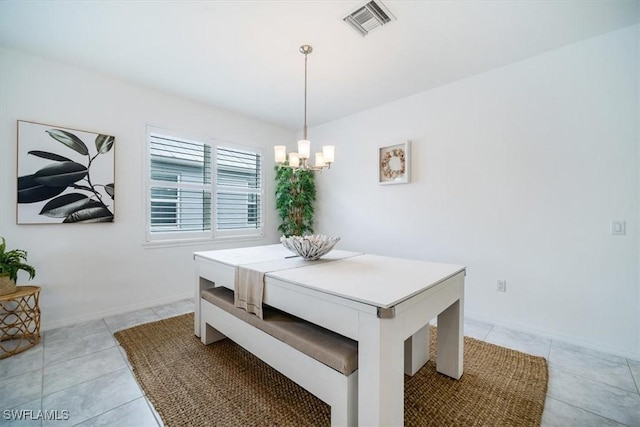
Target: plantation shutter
(180, 177)
(238, 190)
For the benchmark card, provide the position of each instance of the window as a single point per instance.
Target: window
(238, 189)
(183, 198)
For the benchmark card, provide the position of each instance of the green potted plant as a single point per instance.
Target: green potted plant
(295, 194)
(10, 263)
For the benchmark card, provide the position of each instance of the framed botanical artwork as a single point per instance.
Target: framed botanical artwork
(394, 164)
(64, 175)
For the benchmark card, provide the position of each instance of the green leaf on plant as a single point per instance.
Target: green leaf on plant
(60, 174)
(92, 214)
(70, 140)
(12, 261)
(104, 143)
(30, 191)
(295, 194)
(49, 156)
(65, 205)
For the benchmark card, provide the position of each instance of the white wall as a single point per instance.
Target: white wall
(94, 270)
(517, 174)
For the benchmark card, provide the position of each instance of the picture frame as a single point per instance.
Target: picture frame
(394, 164)
(64, 175)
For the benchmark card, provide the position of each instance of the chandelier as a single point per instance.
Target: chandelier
(300, 160)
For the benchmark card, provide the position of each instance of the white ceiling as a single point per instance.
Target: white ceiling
(243, 55)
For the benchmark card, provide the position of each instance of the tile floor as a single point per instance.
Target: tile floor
(82, 370)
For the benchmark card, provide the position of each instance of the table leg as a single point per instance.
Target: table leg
(416, 351)
(450, 346)
(380, 372)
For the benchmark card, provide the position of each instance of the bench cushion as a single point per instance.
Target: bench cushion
(327, 347)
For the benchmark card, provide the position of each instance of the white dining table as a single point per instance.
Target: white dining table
(384, 303)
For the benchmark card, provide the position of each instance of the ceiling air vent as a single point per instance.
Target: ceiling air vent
(369, 17)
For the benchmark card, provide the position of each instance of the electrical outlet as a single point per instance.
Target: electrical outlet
(502, 286)
(618, 227)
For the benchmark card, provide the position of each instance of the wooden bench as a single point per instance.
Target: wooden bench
(319, 360)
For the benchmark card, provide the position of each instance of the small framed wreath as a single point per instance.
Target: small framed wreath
(393, 164)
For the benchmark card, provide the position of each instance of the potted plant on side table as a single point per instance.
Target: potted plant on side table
(11, 262)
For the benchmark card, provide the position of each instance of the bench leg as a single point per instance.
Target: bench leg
(209, 334)
(344, 408)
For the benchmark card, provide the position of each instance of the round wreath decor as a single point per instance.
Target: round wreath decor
(385, 163)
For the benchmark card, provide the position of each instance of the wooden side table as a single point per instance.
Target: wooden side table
(19, 320)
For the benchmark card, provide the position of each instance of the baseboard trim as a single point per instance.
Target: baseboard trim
(555, 336)
(115, 311)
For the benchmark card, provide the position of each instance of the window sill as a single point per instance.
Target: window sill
(157, 244)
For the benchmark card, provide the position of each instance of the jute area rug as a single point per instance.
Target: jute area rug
(191, 384)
